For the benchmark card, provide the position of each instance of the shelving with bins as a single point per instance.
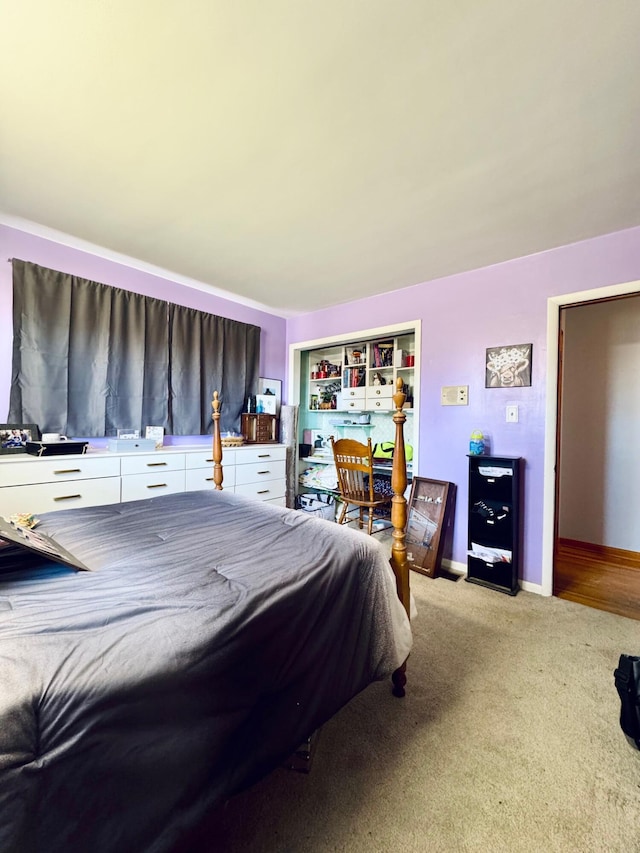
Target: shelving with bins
(354, 376)
(360, 376)
(404, 361)
(325, 377)
(353, 394)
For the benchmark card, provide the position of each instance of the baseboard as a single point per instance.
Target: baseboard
(455, 568)
(460, 569)
(615, 556)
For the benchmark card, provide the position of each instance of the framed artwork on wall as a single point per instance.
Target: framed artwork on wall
(508, 367)
(429, 517)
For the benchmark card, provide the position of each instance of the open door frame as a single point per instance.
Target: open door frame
(552, 416)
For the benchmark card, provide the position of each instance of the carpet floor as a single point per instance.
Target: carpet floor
(507, 741)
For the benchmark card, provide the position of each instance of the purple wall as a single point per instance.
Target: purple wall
(28, 247)
(461, 316)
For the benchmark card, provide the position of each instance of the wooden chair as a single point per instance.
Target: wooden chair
(354, 467)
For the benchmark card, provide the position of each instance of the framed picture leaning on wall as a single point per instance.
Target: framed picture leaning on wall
(270, 387)
(429, 517)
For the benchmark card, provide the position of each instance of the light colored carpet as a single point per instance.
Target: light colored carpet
(507, 741)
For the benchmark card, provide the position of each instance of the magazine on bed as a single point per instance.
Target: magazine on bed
(25, 538)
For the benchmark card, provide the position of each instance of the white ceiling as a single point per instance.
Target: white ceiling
(300, 153)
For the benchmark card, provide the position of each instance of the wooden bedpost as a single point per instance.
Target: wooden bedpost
(399, 521)
(217, 444)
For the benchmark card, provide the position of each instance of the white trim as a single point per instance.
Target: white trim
(72, 242)
(554, 304)
(455, 568)
(461, 570)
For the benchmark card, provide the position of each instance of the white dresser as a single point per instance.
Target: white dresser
(36, 485)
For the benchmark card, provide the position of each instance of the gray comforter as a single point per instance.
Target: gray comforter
(213, 636)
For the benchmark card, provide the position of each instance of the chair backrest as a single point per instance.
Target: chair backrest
(354, 467)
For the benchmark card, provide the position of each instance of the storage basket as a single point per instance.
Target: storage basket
(319, 504)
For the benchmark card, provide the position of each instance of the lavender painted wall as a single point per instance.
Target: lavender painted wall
(15, 243)
(461, 316)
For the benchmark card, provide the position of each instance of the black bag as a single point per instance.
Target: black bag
(627, 677)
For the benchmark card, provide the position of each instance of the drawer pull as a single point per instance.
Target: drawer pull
(263, 492)
(68, 471)
(264, 472)
(378, 403)
(67, 497)
(157, 486)
(210, 460)
(264, 456)
(155, 464)
(209, 480)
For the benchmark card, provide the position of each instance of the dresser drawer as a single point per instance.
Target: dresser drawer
(357, 405)
(379, 404)
(137, 487)
(205, 458)
(268, 469)
(57, 469)
(202, 478)
(375, 392)
(152, 462)
(46, 497)
(246, 456)
(278, 501)
(267, 491)
(353, 394)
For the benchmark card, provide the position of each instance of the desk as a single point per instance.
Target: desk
(320, 477)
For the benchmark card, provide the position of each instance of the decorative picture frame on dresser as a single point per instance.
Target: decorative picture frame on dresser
(157, 433)
(428, 519)
(270, 387)
(14, 437)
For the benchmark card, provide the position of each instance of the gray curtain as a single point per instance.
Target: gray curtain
(89, 359)
(209, 353)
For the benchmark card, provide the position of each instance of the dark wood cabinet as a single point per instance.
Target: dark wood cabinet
(495, 488)
(259, 428)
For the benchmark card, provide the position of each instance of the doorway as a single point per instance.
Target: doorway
(590, 547)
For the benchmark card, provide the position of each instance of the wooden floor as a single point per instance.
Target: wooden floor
(600, 577)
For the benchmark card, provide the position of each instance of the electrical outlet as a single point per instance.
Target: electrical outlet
(512, 414)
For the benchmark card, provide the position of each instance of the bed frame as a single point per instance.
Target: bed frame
(398, 507)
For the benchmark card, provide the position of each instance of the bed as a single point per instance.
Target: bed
(212, 635)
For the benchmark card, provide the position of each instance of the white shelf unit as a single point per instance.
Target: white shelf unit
(351, 402)
(360, 375)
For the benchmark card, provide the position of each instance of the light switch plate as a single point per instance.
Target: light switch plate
(454, 395)
(512, 414)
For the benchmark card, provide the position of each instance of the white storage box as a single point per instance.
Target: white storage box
(128, 445)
